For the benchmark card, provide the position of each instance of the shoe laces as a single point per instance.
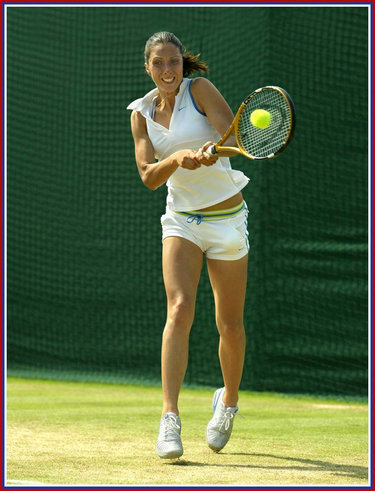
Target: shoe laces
(228, 415)
(171, 427)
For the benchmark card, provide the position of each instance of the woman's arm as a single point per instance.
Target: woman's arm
(210, 101)
(154, 174)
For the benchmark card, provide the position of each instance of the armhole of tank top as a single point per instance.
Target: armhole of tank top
(152, 111)
(192, 98)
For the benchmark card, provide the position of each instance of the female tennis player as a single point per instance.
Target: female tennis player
(173, 125)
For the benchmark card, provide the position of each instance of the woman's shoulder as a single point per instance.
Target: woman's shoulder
(202, 87)
(138, 122)
(136, 115)
(203, 91)
(201, 83)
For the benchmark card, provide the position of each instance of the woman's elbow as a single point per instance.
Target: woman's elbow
(150, 185)
(150, 176)
(149, 182)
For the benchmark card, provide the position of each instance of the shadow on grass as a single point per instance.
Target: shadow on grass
(296, 464)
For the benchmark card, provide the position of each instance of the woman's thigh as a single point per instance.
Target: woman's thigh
(182, 264)
(228, 280)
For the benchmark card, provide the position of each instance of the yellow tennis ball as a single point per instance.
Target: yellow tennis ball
(260, 118)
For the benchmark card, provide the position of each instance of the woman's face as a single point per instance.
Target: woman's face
(165, 67)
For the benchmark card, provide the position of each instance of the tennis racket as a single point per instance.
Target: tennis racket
(257, 143)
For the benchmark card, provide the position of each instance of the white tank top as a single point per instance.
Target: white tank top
(189, 128)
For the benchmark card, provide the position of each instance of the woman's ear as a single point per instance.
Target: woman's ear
(147, 70)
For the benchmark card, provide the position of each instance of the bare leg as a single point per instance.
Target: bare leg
(182, 264)
(228, 280)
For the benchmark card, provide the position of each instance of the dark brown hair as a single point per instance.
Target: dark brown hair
(191, 62)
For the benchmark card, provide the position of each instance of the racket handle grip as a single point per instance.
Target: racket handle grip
(211, 150)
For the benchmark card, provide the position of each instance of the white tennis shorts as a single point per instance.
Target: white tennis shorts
(220, 234)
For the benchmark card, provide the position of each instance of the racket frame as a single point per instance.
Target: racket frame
(218, 147)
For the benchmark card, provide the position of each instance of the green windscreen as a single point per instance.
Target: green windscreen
(85, 295)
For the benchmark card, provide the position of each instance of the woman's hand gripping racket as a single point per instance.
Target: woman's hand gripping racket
(263, 125)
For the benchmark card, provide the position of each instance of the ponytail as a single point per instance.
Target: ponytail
(192, 64)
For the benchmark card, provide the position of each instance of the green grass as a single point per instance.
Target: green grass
(69, 433)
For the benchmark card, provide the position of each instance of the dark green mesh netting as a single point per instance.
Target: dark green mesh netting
(85, 297)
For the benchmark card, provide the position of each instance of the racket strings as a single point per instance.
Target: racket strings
(263, 143)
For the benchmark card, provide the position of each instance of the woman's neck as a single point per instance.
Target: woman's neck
(166, 100)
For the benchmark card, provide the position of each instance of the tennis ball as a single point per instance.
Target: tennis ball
(260, 118)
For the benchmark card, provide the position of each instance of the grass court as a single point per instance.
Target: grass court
(70, 433)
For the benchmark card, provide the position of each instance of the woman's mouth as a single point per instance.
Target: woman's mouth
(168, 80)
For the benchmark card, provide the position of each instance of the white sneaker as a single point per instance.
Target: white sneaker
(168, 444)
(220, 426)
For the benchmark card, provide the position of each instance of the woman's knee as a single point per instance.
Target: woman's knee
(232, 329)
(181, 312)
